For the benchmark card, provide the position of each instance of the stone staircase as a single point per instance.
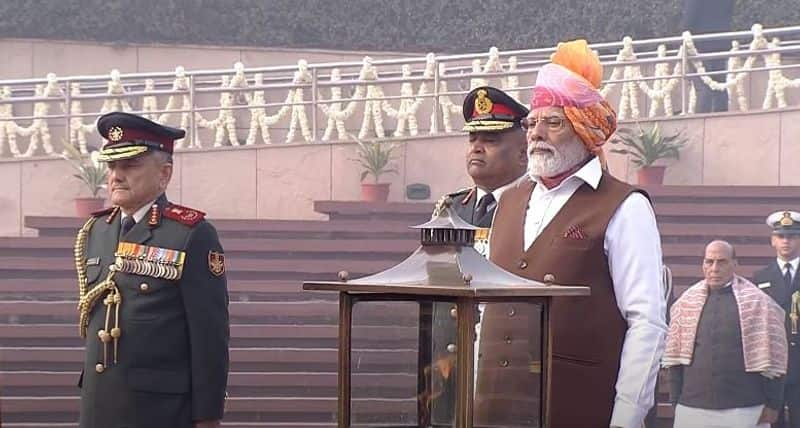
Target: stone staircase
(283, 339)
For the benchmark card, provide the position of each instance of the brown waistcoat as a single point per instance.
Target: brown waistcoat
(588, 332)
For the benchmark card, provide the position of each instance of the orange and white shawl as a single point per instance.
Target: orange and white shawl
(760, 318)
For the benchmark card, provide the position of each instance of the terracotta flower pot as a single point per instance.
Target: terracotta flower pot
(86, 206)
(375, 192)
(650, 175)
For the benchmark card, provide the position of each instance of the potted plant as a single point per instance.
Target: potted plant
(376, 159)
(92, 173)
(646, 147)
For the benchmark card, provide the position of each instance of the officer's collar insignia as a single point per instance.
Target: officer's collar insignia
(115, 134)
(216, 263)
(787, 221)
(483, 105)
(144, 260)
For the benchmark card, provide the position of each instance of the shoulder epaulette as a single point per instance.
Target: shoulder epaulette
(460, 191)
(185, 215)
(445, 199)
(111, 211)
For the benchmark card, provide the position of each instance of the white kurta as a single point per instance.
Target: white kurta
(741, 417)
(633, 247)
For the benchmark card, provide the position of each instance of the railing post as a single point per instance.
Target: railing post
(192, 121)
(435, 116)
(68, 112)
(684, 83)
(314, 77)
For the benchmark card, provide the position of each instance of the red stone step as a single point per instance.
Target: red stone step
(268, 356)
(267, 405)
(401, 336)
(245, 246)
(383, 313)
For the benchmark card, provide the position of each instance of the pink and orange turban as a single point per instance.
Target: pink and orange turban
(572, 81)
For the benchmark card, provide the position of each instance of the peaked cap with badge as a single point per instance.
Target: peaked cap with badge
(128, 136)
(153, 303)
(488, 109)
(784, 222)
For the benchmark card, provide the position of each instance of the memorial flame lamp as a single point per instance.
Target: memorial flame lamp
(444, 270)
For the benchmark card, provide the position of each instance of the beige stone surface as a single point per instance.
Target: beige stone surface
(17, 62)
(175, 188)
(688, 169)
(49, 188)
(81, 59)
(220, 182)
(741, 150)
(346, 173)
(439, 163)
(166, 58)
(10, 199)
(789, 161)
(290, 178)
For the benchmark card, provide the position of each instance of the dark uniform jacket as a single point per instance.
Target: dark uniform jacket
(773, 275)
(444, 323)
(172, 356)
(463, 202)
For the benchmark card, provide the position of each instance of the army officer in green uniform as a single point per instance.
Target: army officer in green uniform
(496, 154)
(496, 158)
(153, 295)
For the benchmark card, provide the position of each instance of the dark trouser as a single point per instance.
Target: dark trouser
(709, 100)
(792, 399)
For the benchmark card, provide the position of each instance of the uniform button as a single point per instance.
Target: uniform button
(507, 339)
(792, 343)
(503, 363)
(511, 312)
(453, 312)
(144, 287)
(451, 348)
(99, 368)
(523, 264)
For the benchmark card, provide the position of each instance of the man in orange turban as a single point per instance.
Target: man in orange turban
(570, 221)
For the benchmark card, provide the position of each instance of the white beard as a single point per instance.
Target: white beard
(563, 157)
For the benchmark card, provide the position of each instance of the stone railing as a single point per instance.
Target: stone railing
(408, 97)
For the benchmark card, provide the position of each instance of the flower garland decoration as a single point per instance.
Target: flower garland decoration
(477, 82)
(115, 89)
(78, 129)
(511, 82)
(39, 129)
(7, 130)
(239, 81)
(778, 83)
(736, 92)
(180, 84)
(150, 102)
(259, 120)
(735, 78)
(407, 111)
(372, 106)
(224, 125)
(334, 112)
(301, 76)
(446, 105)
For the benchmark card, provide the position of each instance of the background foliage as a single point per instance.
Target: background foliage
(390, 25)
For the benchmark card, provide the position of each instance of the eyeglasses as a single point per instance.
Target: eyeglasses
(554, 123)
